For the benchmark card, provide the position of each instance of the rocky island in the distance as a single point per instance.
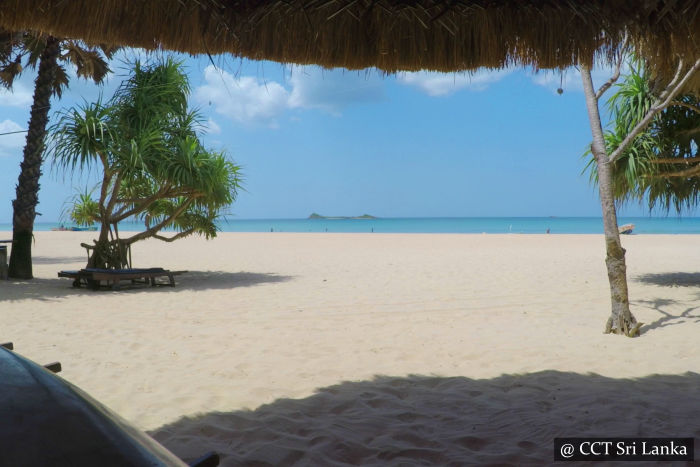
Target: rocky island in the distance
(318, 216)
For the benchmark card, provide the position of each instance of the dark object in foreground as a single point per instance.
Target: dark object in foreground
(3, 259)
(93, 277)
(54, 367)
(48, 421)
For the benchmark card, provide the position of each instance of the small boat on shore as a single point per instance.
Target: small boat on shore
(626, 229)
(63, 228)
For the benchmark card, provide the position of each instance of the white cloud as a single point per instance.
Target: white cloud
(251, 101)
(443, 84)
(333, 90)
(19, 96)
(11, 144)
(246, 100)
(212, 128)
(570, 78)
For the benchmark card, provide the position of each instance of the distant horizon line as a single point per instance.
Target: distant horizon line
(332, 218)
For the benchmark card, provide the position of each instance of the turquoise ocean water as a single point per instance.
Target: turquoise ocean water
(528, 225)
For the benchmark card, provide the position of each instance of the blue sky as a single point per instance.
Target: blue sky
(338, 142)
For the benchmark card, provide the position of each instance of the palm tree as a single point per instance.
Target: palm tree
(45, 52)
(153, 165)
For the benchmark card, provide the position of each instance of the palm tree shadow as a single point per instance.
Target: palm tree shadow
(671, 279)
(667, 318)
(418, 420)
(201, 280)
(51, 289)
(36, 289)
(58, 259)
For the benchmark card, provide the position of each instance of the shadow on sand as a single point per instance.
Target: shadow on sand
(62, 260)
(226, 280)
(671, 279)
(49, 289)
(415, 420)
(662, 305)
(668, 318)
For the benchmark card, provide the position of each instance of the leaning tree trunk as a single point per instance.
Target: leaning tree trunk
(24, 207)
(621, 320)
(101, 249)
(108, 253)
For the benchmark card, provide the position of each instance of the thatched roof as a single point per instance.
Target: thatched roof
(392, 35)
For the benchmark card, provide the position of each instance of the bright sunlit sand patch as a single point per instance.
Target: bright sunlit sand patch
(373, 348)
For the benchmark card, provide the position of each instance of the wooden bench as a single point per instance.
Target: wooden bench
(93, 277)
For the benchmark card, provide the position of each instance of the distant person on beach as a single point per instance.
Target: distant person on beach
(547, 229)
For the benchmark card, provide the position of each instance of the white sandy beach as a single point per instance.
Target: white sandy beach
(345, 349)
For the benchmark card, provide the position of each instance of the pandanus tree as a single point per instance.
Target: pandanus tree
(19, 51)
(662, 165)
(607, 156)
(153, 165)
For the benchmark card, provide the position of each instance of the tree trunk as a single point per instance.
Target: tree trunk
(109, 253)
(24, 207)
(100, 254)
(621, 320)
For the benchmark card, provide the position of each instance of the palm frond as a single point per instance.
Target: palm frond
(88, 62)
(81, 136)
(146, 138)
(60, 81)
(673, 134)
(10, 71)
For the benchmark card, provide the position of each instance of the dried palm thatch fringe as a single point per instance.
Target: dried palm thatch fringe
(391, 35)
